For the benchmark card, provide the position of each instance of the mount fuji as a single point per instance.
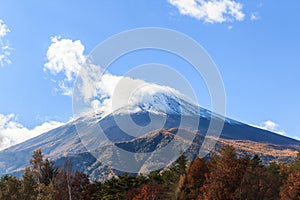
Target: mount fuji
(143, 127)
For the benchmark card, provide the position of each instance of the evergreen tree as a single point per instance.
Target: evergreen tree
(10, 188)
(29, 185)
(181, 164)
(118, 188)
(155, 177)
(48, 172)
(295, 165)
(273, 181)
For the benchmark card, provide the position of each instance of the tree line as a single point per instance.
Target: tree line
(225, 176)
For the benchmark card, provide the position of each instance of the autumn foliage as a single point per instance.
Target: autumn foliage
(223, 176)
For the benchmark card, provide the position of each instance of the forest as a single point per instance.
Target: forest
(224, 176)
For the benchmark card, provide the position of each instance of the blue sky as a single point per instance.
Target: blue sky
(255, 45)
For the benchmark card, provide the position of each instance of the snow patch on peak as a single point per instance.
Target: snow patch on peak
(161, 103)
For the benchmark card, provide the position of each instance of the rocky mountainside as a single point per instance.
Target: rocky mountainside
(95, 135)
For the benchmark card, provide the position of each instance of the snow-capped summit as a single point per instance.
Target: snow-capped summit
(160, 103)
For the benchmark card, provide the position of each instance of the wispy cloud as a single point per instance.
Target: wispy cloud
(4, 45)
(260, 4)
(254, 17)
(13, 132)
(211, 11)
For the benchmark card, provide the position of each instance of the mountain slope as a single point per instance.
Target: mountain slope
(74, 138)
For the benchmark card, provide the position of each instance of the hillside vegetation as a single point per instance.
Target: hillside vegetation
(225, 176)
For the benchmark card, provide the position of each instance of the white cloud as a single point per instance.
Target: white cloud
(12, 132)
(4, 46)
(210, 11)
(271, 126)
(3, 29)
(254, 17)
(102, 92)
(65, 57)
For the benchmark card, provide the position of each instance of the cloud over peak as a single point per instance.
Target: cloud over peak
(210, 11)
(102, 92)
